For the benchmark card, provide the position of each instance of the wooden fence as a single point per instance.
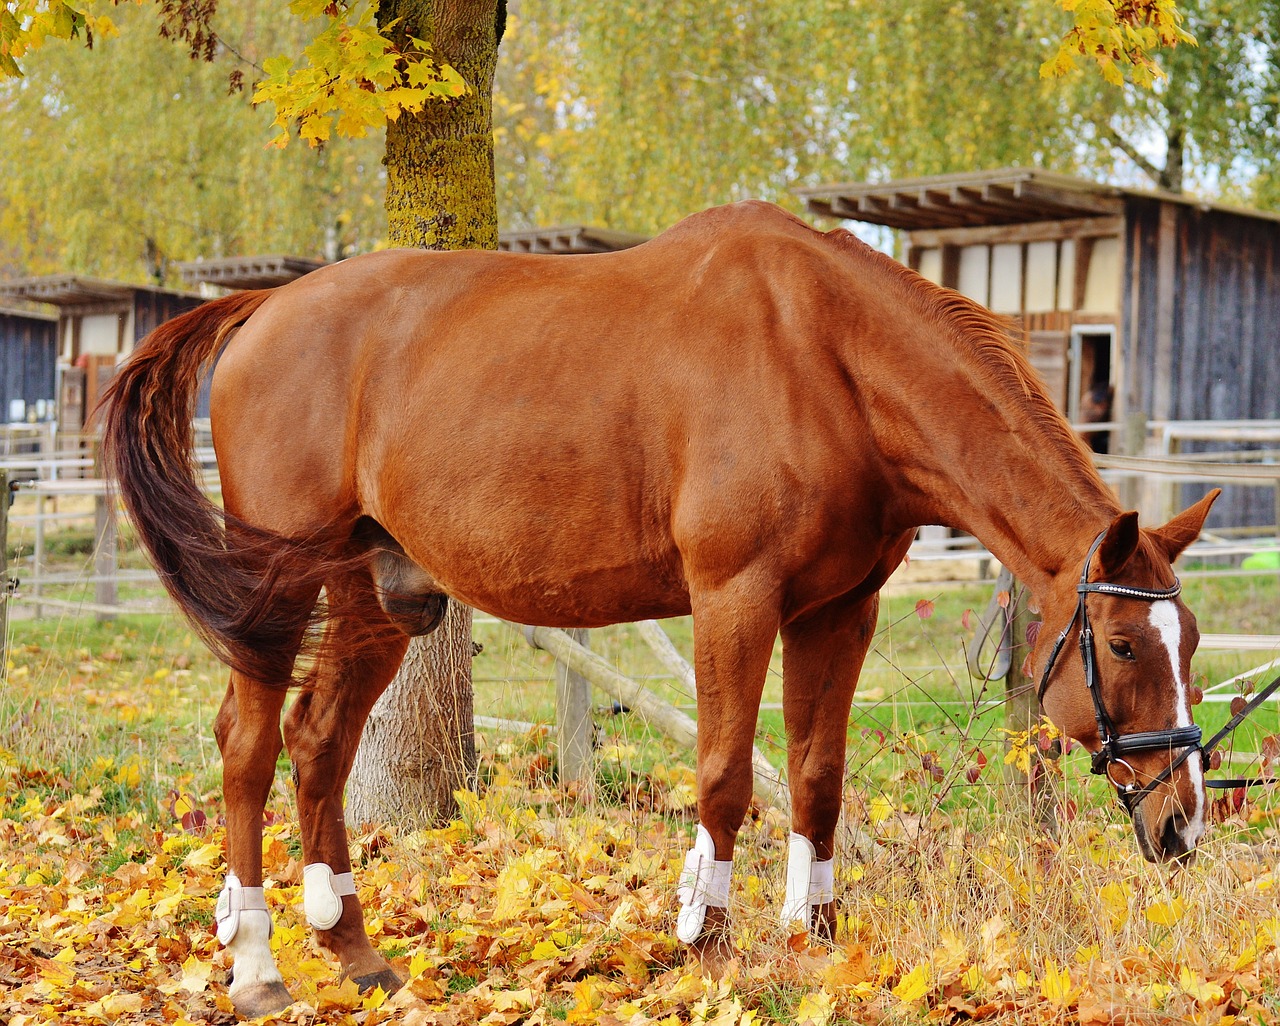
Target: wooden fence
(57, 488)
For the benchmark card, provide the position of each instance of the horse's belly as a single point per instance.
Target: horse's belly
(575, 602)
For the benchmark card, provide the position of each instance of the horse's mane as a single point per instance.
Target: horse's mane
(992, 342)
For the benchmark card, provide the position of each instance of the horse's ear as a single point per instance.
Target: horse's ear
(1119, 544)
(1185, 528)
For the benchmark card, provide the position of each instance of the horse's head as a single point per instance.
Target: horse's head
(1119, 682)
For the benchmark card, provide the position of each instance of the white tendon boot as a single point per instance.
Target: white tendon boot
(244, 929)
(810, 883)
(322, 893)
(703, 884)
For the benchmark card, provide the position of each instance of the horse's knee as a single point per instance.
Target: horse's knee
(724, 795)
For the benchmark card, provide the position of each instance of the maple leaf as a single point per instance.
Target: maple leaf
(914, 986)
(1055, 986)
(1166, 913)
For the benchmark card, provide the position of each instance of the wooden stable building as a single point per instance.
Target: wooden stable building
(98, 323)
(28, 366)
(1165, 305)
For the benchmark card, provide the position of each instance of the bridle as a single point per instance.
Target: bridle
(1115, 746)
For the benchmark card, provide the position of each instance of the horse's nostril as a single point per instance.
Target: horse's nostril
(1173, 840)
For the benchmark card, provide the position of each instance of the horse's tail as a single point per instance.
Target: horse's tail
(226, 577)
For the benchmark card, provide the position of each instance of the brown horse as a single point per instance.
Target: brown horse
(744, 419)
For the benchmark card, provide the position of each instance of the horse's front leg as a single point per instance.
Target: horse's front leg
(322, 731)
(734, 632)
(248, 732)
(822, 656)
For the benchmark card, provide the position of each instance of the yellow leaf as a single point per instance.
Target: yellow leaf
(1203, 991)
(195, 974)
(1056, 985)
(880, 809)
(116, 1005)
(815, 1009)
(513, 1000)
(345, 997)
(544, 949)
(915, 985)
(1115, 897)
(204, 857)
(588, 997)
(1166, 913)
(167, 905)
(419, 964)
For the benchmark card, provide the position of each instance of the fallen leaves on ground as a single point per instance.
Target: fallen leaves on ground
(531, 909)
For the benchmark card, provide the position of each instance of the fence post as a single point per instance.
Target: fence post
(1022, 713)
(105, 589)
(1135, 444)
(573, 719)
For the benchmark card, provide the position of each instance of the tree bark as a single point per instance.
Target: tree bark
(419, 744)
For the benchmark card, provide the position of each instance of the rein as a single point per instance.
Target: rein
(1116, 745)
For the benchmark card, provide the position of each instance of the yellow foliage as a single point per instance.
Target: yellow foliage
(914, 986)
(1166, 913)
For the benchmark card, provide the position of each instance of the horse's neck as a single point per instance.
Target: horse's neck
(1007, 472)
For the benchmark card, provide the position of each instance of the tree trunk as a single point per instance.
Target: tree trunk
(419, 744)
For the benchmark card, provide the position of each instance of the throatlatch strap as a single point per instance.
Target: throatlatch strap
(704, 884)
(233, 900)
(322, 893)
(810, 882)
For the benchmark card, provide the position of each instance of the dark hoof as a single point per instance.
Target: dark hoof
(261, 999)
(714, 951)
(385, 978)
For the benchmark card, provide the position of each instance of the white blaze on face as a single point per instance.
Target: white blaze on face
(1167, 622)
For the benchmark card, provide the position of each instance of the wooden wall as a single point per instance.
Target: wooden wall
(151, 309)
(1202, 326)
(28, 359)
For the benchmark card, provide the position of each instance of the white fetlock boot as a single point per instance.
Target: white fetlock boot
(703, 884)
(322, 894)
(244, 928)
(810, 882)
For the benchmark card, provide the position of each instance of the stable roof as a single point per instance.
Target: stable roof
(568, 239)
(258, 272)
(972, 198)
(76, 290)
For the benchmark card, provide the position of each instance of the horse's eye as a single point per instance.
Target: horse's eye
(1122, 649)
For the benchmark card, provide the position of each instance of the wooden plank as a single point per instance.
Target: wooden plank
(1071, 201)
(1165, 302)
(1048, 355)
(1069, 228)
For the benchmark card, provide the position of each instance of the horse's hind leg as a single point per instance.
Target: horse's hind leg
(358, 659)
(248, 733)
(822, 656)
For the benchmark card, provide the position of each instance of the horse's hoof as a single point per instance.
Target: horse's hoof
(385, 978)
(713, 950)
(261, 999)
